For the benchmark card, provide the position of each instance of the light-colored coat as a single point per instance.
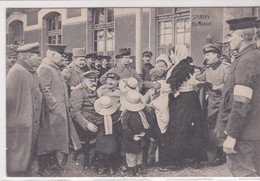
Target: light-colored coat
(58, 127)
(23, 110)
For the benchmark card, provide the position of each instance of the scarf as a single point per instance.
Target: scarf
(108, 125)
(144, 120)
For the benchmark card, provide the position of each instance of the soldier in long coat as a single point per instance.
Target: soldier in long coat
(215, 74)
(23, 109)
(59, 128)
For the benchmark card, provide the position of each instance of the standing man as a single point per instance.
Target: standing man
(238, 123)
(123, 69)
(73, 72)
(23, 109)
(104, 65)
(90, 62)
(58, 128)
(215, 74)
(83, 113)
(11, 56)
(147, 66)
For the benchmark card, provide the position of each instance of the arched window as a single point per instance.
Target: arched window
(104, 34)
(15, 35)
(54, 33)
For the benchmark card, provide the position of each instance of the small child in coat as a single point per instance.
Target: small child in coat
(107, 134)
(138, 130)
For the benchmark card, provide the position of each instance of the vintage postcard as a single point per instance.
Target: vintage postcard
(117, 89)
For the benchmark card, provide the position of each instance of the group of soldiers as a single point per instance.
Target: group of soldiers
(52, 107)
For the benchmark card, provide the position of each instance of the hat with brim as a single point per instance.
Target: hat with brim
(213, 48)
(131, 101)
(91, 74)
(147, 54)
(106, 57)
(105, 106)
(125, 52)
(11, 50)
(91, 55)
(241, 23)
(79, 52)
(132, 83)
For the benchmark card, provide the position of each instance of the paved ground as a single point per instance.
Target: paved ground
(75, 169)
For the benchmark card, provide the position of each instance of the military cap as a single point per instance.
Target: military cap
(31, 47)
(147, 54)
(113, 76)
(241, 23)
(91, 74)
(67, 55)
(11, 50)
(211, 48)
(99, 57)
(125, 51)
(91, 55)
(106, 57)
(79, 52)
(57, 48)
(118, 56)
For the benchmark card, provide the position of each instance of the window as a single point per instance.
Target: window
(16, 32)
(172, 28)
(54, 29)
(104, 34)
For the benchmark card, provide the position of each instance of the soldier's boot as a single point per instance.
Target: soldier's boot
(54, 164)
(64, 159)
(42, 164)
(86, 164)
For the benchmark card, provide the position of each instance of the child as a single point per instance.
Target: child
(138, 128)
(107, 135)
(160, 70)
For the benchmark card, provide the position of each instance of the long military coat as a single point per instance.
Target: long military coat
(58, 126)
(23, 108)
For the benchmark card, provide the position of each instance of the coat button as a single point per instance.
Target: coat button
(35, 98)
(36, 109)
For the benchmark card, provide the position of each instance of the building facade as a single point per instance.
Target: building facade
(105, 30)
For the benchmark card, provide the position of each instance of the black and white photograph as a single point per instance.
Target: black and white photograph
(131, 91)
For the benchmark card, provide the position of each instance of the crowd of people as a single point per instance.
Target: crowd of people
(176, 111)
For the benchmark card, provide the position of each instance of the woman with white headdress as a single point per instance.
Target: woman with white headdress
(184, 135)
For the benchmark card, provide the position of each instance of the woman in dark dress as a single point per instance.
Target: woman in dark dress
(184, 136)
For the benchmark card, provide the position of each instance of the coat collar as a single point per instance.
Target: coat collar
(25, 65)
(48, 61)
(215, 65)
(74, 66)
(249, 48)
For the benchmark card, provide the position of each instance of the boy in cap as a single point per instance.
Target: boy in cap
(123, 69)
(55, 135)
(83, 113)
(73, 72)
(238, 120)
(215, 75)
(108, 133)
(11, 56)
(138, 128)
(23, 110)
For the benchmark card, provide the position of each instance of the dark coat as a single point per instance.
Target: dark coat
(23, 108)
(58, 127)
(108, 144)
(132, 125)
(239, 119)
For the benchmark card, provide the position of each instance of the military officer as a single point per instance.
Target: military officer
(83, 113)
(90, 62)
(147, 66)
(238, 121)
(73, 72)
(11, 56)
(105, 65)
(215, 73)
(23, 110)
(123, 69)
(110, 88)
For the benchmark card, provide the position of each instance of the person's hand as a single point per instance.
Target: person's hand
(92, 127)
(229, 145)
(137, 137)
